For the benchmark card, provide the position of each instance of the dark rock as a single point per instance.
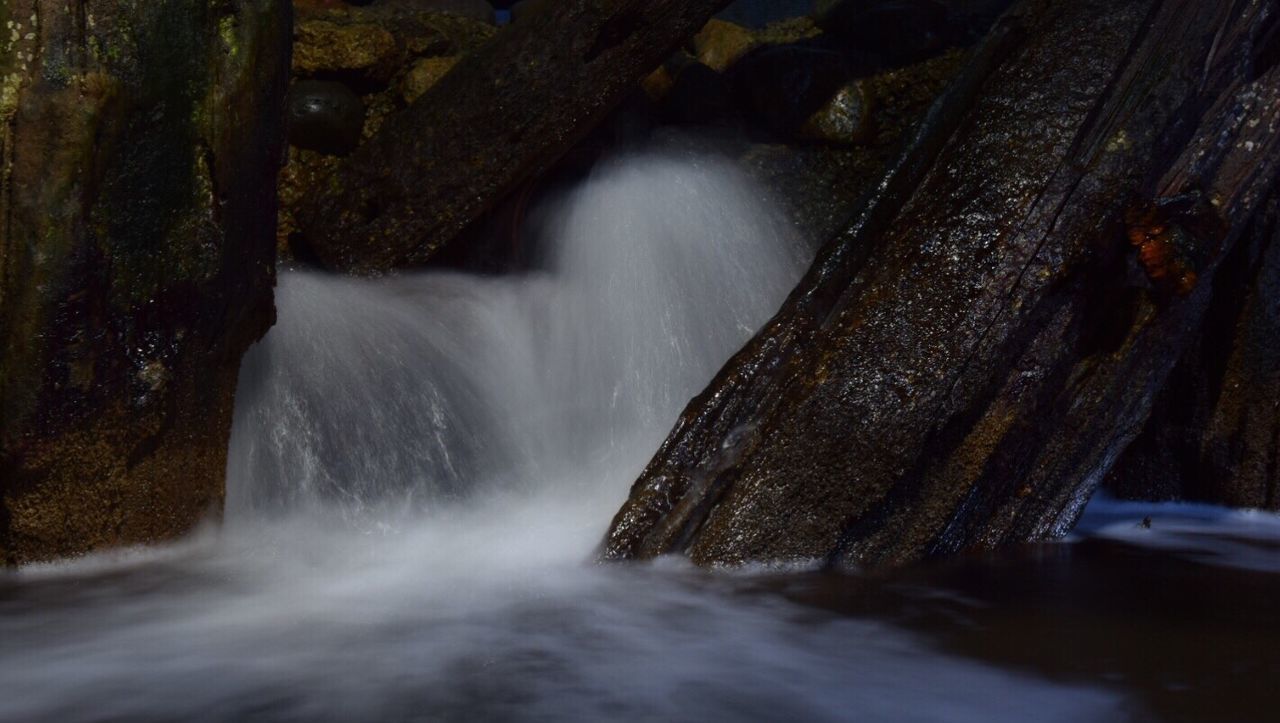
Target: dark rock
(325, 116)
(473, 9)
(519, 9)
(720, 44)
(956, 370)
(137, 261)
(1214, 432)
(783, 86)
(390, 52)
(846, 119)
(504, 114)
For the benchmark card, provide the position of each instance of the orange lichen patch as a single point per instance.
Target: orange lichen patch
(1161, 259)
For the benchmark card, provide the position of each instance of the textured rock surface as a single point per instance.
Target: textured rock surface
(139, 150)
(502, 115)
(1214, 434)
(389, 53)
(966, 361)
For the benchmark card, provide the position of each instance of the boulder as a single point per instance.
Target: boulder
(503, 115)
(353, 68)
(140, 147)
(325, 116)
(966, 360)
(720, 44)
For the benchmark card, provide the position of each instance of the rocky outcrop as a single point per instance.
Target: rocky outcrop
(353, 66)
(502, 115)
(1214, 433)
(138, 154)
(965, 362)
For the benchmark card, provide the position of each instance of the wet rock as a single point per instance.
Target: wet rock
(362, 51)
(472, 9)
(141, 151)
(388, 52)
(502, 115)
(657, 84)
(425, 73)
(845, 119)
(1214, 432)
(788, 31)
(720, 44)
(782, 87)
(325, 116)
(518, 10)
(955, 371)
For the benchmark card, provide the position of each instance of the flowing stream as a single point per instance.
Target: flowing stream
(421, 469)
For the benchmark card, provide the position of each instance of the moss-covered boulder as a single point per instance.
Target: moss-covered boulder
(138, 153)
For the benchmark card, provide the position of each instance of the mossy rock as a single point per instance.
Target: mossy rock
(140, 147)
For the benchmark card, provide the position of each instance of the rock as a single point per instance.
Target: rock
(136, 263)
(820, 186)
(363, 51)
(1214, 432)
(845, 119)
(325, 116)
(388, 52)
(720, 44)
(657, 84)
(968, 357)
(518, 10)
(472, 9)
(503, 115)
(788, 31)
(424, 74)
(784, 86)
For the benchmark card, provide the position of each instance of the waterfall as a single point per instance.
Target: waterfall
(420, 469)
(371, 399)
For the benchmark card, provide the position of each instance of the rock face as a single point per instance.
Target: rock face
(966, 361)
(502, 115)
(1214, 433)
(378, 59)
(139, 147)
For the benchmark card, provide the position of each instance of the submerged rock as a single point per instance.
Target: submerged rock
(136, 262)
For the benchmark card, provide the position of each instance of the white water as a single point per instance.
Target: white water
(421, 469)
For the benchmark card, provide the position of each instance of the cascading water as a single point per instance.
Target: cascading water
(420, 470)
(370, 398)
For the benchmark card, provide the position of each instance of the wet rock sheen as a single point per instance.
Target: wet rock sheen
(965, 362)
